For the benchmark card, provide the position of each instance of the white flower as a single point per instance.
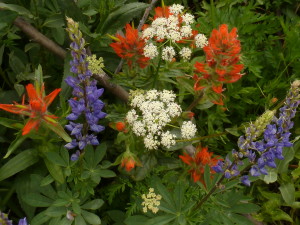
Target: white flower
(161, 33)
(137, 100)
(150, 51)
(186, 31)
(174, 35)
(185, 53)
(188, 130)
(167, 96)
(159, 22)
(148, 33)
(168, 53)
(172, 23)
(152, 95)
(131, 116)
(151, 201)
(176, 9)
(139, 128)
(188, 18)
(174, 109)
(167, 139)
(201, 40)
(150, 142)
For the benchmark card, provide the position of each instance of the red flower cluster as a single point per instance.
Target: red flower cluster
(198, 162)
(128, 163)
(222, 57)
(130, 47)
(36, 109)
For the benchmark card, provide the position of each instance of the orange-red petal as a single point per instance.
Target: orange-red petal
(31, 124)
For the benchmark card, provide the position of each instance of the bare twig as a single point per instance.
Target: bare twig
(41, 39)
(142, 22)
(38, 37)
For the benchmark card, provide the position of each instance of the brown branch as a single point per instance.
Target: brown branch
(41, 39)
(142, 22)
(38, 37)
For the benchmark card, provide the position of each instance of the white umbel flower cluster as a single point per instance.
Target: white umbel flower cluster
(200, 41)
(188, 130)
(185, 53)
(152, 111)
(174, 28)
(150, 51)
(151, 201)
(168, 53)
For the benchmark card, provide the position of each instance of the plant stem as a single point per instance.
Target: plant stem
(195, 102)
(157, 70)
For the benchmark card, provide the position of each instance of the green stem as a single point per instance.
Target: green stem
(157, 70)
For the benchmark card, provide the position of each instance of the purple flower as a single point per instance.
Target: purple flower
(23, 221)
(86, 104)
(245, 180)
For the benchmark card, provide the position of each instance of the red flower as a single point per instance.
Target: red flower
(162, 12)
(36, 109)
(130, 47)
(120, 126)
(198, 162)
(129, 163)
(222, 56)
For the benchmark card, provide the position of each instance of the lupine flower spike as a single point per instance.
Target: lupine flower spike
(86, 101)
(276, 135)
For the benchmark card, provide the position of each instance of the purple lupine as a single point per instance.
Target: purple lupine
(276, 136)
(23, 221)
(86, 103)
(4, 219)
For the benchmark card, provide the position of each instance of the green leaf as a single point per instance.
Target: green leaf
(288, 192)
(106, 173)
(16, 8)
(54, 21)
(91, 217)
(121, 16)
(288, 154)
(47, 180)
(161, 220)
(100, 153)
(245, 208)
(15, 144)
(271, 177)
(93, 205)
(18, 163)
(65, 221)
(37, 200)
(79, 220)
(55, 171)
(166, 196)
(136, 220)
(54, 211)
(76, 208)
(59, 130)
(281, 215)
(55, 159)
(40, 218)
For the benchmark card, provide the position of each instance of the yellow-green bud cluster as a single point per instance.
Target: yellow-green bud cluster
(151, 201)
(95, 65)
(262, 121)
